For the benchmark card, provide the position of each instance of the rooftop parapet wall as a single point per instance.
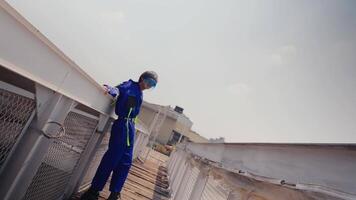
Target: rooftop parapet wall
(276, 171)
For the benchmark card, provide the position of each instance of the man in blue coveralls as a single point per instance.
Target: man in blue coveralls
(118, 158)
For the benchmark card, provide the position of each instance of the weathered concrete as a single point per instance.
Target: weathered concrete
(277, 171)
(331, 166)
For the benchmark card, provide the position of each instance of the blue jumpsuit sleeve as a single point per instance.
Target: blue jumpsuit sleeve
(123, 87)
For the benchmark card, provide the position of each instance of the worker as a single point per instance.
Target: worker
(118, 158)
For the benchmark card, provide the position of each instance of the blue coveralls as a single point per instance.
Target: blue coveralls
(118, 157)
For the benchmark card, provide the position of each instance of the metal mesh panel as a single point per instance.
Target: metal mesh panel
(15, 111)
(96, 161)
(56, 169)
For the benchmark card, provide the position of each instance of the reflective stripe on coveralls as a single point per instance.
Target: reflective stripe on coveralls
(127, 128)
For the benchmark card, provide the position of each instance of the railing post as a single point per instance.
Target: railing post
(172, 161)
(137, 146)
(175, 170)
(200, 183)
(143, 145)
(177, 165)
(181, 190)
(88, 154)
(52, 109)
(178, 178)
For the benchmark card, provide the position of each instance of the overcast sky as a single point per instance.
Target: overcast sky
(250, 71)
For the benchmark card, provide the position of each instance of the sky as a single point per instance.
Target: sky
(248, 71)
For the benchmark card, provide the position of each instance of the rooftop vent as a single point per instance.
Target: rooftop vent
(178, 109)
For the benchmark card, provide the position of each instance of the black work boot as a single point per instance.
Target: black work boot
(90, 194)
(114, 196)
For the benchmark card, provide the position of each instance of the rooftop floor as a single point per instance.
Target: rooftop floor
(146, 181)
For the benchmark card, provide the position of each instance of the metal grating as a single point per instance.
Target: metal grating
(96, 161)
(15, 111)
(61, 159)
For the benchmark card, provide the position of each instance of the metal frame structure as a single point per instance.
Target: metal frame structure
(53, 150)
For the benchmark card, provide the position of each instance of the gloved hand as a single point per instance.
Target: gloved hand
(113, 91)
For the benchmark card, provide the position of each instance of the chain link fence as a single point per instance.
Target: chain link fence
(61, 159)
(15, 111)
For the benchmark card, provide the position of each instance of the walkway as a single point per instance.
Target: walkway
(146, 181)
